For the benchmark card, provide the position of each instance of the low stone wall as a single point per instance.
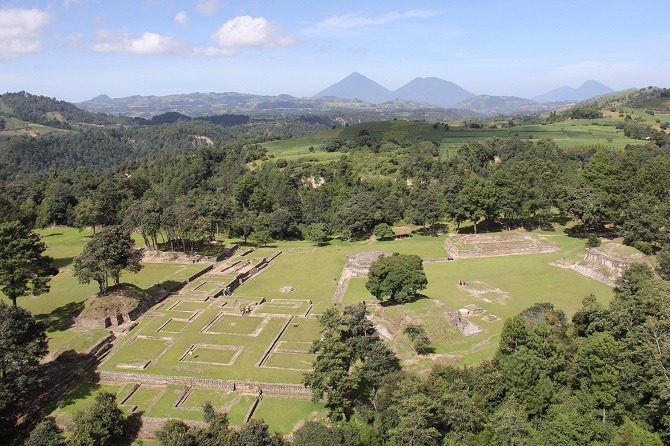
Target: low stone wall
(200, 273)
(228, 252)
(615, 266)
(204, 383)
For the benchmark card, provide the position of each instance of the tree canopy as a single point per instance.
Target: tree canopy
(396, 278)
(23, 267)
(104, 257)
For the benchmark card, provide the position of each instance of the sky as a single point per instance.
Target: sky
(77, 49)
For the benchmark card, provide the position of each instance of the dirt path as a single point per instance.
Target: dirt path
(342, 286)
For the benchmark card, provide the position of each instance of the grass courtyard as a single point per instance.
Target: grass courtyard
(194, 335)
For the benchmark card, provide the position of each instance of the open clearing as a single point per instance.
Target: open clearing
(193, 347)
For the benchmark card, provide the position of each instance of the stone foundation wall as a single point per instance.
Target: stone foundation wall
(204, 383)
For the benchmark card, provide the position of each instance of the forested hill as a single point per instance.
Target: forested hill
(39, 133)
(50, 111)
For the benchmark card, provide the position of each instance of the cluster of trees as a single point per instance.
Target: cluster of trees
(23, 343)
(185, 200)
(104, 257)
(218, 432)
(597, 380)
(101, 141)
(351, 362)
(40, 109)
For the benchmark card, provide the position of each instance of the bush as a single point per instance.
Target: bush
(100, 423)
(663, 262)
(383, 231)
(420, 342)
(593, 241)
(644, 247)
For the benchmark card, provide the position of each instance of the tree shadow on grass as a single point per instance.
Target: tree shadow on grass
(482, 228)
(52, 234)
(162, 287)
(132, 428)
(81, 390)
(62, 262)
(61, 318)
(416, 297)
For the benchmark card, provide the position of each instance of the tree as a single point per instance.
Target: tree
(175, 433)
(383, 231)
(107, 254)
(23, 268)
(663, 262)
(46, 433)
(260, 238)
(397, 278)
(509, 425)
(317, 233)
(594, 369)
(477, 199)
(631, 434)
(330, 375)
(314, 433)
(101, 423)
(255, 433)
(420, 342)
(351, 360)
(23, 343)
(416, 421)
(88, 212)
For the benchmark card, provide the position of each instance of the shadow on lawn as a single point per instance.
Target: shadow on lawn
(61, 318)
(81, 391)
(162, 287)
(416, 297)
(62, 262)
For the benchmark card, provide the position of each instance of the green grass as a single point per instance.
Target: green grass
(239, 325)
(198, 398)
(143, 397)
(76, 340)
(141, 350)
(79, 397)
(301, 361)
(212, 355)
(174, 326)
(285, 414)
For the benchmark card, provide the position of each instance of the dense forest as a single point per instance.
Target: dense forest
(494, 183)
(99, 141)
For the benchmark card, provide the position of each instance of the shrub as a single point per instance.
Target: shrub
(644, 247)
(663, 262)
(593, 241)
(420, 342)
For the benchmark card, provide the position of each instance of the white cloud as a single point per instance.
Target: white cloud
(148, 43)
(246, 31)
(20, 31)
(151, 44)
(181, 17)
(207, 7)
(357, 20)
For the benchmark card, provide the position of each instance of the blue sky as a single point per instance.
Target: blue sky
(77, 49)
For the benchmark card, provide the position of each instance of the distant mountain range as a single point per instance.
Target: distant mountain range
(261, 106)
(432, 90)
(589, 89)
(429, 90)
(419, 98)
